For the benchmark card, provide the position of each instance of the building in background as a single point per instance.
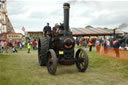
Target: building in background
(32, 35)
(3, 16)
(7, 31)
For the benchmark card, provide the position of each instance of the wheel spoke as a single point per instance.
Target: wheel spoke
(81, 60)
(80, 54)
(81, 66)
(51, 67)
(83, 63)
(51, 60)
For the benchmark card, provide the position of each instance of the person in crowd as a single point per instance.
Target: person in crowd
(111, 43)
(93, 41)
(14, 49)
(1, 50)
(47, 29)
(77, 41)
(97, 45)
(10, 45)
(34, 45)
(6, 45)
(101, 41)
(90, 44)
(20, 44)
(108, 44)
(84, 42)
(37, 44)
(23, 44)
(81, 42)
(29, 47)
(116, 45)
(31, 43)
(15, 43)
(105, 45)
(2, 44)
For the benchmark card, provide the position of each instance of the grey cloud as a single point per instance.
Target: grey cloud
(84, 2)
(16, 7)
(109, 20)
(37, 15)
(41, 15)
(86, 10)
(29, 24)
(118, 14)
(80, 11)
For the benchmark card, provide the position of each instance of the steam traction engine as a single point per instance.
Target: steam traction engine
(60, 49)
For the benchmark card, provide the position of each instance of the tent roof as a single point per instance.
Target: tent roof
(91, 31)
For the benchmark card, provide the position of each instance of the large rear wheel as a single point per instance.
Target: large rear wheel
(81, 60)
(52, 62)
(43, 47)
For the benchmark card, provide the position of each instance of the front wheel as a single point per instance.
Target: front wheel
(81, 60)
(52, 62)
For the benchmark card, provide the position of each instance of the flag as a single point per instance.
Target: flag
(23, 29)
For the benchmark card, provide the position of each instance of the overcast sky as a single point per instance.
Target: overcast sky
(34, 14)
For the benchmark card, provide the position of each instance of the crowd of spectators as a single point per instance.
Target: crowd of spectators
(107, 43)
(13, 46)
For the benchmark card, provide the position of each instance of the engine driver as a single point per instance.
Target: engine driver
(47, 30)
(60, 29)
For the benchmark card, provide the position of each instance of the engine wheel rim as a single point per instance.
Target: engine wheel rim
(39, 51)
(50, 63)
(39, 46)
(81, 60)
(81, 56)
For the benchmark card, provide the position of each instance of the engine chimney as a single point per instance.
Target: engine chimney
(66, 7)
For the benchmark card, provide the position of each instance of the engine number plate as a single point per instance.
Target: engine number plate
(61, 52)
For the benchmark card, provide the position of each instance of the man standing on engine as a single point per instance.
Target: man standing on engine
(47, 29)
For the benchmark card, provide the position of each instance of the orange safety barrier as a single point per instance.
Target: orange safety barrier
(114, 53)
(97, 48)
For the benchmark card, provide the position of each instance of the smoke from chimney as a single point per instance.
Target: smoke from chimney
(123, 26)
(75, 1)
(72, 1)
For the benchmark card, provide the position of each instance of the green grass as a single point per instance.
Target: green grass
(23, 69)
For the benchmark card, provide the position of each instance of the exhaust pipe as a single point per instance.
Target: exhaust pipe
(66, 7)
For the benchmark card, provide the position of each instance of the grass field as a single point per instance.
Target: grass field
(23, 69)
